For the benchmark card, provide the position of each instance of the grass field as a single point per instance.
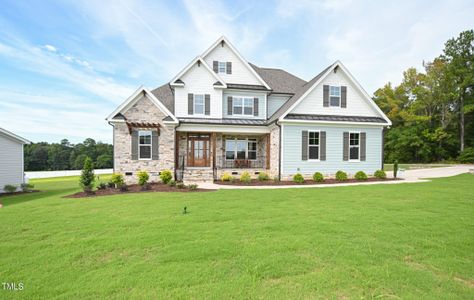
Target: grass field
(378, 241)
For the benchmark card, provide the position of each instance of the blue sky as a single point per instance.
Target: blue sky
(65, 65)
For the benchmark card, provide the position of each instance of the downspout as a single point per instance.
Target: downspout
(279, 149)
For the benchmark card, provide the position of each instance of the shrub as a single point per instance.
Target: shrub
(360, 176)
(87, 175)
(245, 177)
(467, 156)
(193, 186)
(298, 178)
(102, 186)
(263, 176)
(341, 176)
(166, 176)
(380, 174)
(27, 187)
(172, 182)
(180, 185)
(395, 169)
(318, 177)
(117, 180)
(143, 178)
(9, 188)
(226, 177)
(110, 184)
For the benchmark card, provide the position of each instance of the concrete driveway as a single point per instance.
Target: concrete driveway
(409, 176)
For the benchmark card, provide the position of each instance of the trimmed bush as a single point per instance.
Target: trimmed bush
(245, 177)
(193, 186)
(102, 186)
(395, 169)
(263, 176)
(467, 156)
(172, 182)
(180, 185)
(226, 177)
(341, 176)
(87, 176)
(110, 184)
(380, 174)
(9, 188)
(117, 180)
(27, 187)
(318, 177)
(143, 177)
(166, 176)
(361, 176)
(298, 178)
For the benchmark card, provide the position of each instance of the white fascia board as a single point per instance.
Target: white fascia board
(354, 81)
(233, 49)
(306, 122)
(223, 128)
(125, 103)
(192, 63)
(15, 137)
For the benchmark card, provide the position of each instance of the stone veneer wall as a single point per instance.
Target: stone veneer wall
(274, 150)
(143, 111)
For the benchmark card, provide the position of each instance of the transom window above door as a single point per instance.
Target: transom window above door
(242, 106)
(334, 95)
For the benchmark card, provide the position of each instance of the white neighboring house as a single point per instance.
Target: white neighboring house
(11, 159)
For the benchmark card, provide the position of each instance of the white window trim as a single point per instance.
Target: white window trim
(340, 95)
(140, 133)
(246, 149)
(243, 106)
(349, 145)
(203, 105)
(319, 146)
(219, 67)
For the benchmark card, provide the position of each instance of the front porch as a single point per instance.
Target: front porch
(205, 156)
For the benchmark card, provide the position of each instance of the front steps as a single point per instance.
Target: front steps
(196, 175)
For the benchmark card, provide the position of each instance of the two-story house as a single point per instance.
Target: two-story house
(224, 114)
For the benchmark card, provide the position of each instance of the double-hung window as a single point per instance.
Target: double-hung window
(242, 106)
(334, 95)
(236, 148)
(313, 145)
(354, 145)
(198, 104)
(144, 145)
(222, 67)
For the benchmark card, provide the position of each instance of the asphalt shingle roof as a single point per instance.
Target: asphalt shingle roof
(280, 81)
(166, 95)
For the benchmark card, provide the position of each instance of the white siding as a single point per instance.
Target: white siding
(274, 103)
(198, 80)
(262, 108)
(356, 104)
(11, 162)
(240, 73)
(292, 162)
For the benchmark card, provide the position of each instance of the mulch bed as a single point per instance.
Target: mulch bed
(18, 193)
(135, 188)
(256, 182)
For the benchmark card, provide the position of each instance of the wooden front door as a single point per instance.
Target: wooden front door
(198, 150)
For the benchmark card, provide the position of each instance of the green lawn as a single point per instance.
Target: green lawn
(379, 241)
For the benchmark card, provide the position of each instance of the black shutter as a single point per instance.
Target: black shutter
(255, 107)
(154, 145)
(322, 145)
(215, 66)
(229, 105)
(304, 145)
(343, 96)
(229, 67)
(326, 95)
(345, 146)
(134, 144)
(362, 146)
(190, 104)
(207, 104)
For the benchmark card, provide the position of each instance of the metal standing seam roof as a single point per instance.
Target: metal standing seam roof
(225, 121)
(336, 118)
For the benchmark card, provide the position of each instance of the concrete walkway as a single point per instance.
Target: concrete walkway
(409, 176)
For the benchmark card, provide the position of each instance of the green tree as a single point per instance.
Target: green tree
(87, 175)
(104, 161)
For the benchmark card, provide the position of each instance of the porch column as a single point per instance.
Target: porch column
(213, 142)
(268, 151)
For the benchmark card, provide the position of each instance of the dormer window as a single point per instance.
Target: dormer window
(222, 67)
(335, 96)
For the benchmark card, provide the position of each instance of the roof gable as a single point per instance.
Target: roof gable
(177, 81)
(13, 136)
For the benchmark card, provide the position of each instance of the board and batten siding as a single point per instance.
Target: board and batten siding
(262, 108)
(292, 162)
(356, 104)
(11, 162)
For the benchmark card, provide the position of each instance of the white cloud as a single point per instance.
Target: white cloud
(50, 48)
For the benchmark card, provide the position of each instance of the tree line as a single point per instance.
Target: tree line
(432, 110)
(66, 156)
